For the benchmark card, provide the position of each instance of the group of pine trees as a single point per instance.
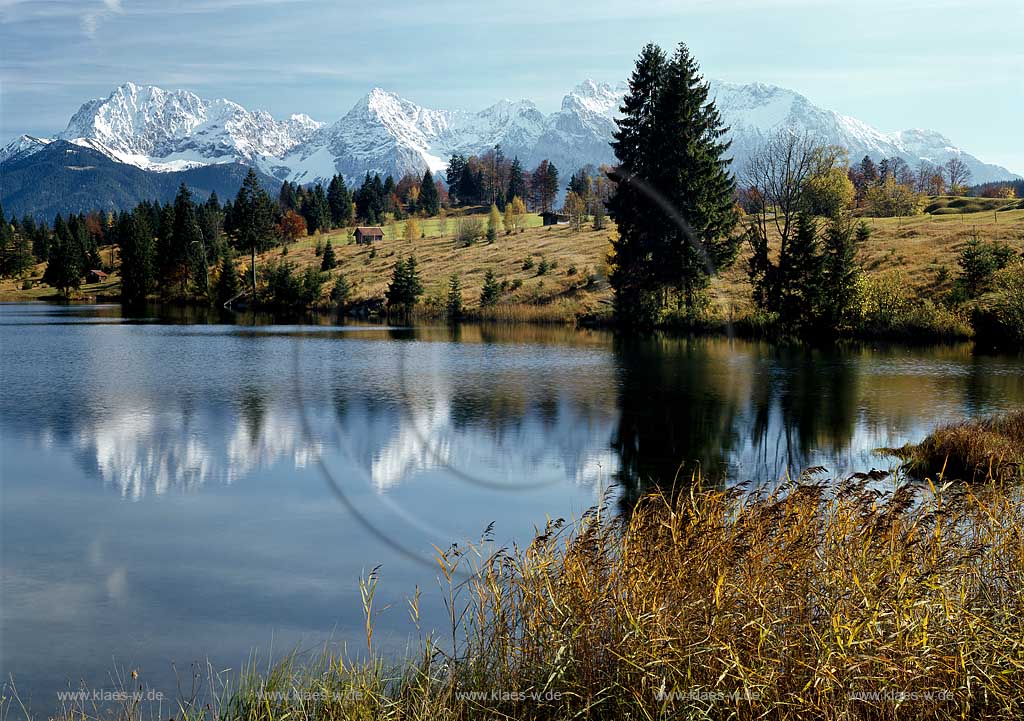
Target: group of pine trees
(492, 179)
(23, 243)
(70, 248)
(677, 207)
(321, 210)
(377, 199)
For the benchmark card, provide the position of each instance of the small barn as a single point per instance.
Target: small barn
(368, 234)
(551, 218)
(95, 276)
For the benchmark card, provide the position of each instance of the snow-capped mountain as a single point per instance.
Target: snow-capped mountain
(161, 130)
(754, 110)
(384, 133)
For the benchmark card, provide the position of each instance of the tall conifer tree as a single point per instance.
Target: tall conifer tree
(674, 197)
(429, 200)
(632, 274)
(137, 257)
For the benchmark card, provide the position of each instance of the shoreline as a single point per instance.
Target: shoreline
(744, 328)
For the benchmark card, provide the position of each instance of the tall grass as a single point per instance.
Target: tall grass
(813, 601)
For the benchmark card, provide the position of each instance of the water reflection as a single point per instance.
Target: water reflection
(150, 407)
(753, 411)
(139, 455)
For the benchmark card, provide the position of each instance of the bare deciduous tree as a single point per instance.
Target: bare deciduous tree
(775, 178)
(957, 173)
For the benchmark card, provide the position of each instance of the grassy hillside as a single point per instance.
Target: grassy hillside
(575, 282)
(924, 248)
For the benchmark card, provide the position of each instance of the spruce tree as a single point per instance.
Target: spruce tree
(137, 257)
(800, 277)
(20, 259)
(490, 291)
(405, 287)
(187, 253)
(632, 274)
(211, 224)
(64, 270)
(328, 262)
(378, 200)
(674, 199)
(453, 305)
(841, 274)
(429, 201)
(453, 176)
(84, 243)
(516, 181)
(227, 282)
(340, 292)
(253, 220)
(339, 201)
(413, 285)
(549, 185)
(41, 242)
(693, 175)
(286, 197)
(317, 211)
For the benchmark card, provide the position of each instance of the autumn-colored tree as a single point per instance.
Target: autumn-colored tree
(412, 229)
(514, 212)
(830, 192)
(889, 199)
(96, 226)
(576, 209)
(508, 219)
(493, 223)
(936, 184)
(292, 226)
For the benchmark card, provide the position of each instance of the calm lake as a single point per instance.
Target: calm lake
(179, 488)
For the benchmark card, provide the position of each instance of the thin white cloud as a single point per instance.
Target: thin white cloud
(91, 18)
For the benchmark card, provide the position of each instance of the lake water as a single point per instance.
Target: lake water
(176, 489)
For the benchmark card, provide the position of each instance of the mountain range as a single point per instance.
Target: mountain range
(142, 140)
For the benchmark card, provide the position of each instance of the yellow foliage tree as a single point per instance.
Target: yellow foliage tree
(889, 199)
(830, 193)
(509, 221)
(493, 222)
(412, 228)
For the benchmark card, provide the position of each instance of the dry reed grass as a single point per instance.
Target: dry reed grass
(809, 602)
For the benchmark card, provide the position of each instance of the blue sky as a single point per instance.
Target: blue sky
(952, 66)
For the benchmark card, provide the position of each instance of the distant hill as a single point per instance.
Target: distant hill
(63, 177)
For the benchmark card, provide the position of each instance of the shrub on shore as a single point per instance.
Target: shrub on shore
(971, 450)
